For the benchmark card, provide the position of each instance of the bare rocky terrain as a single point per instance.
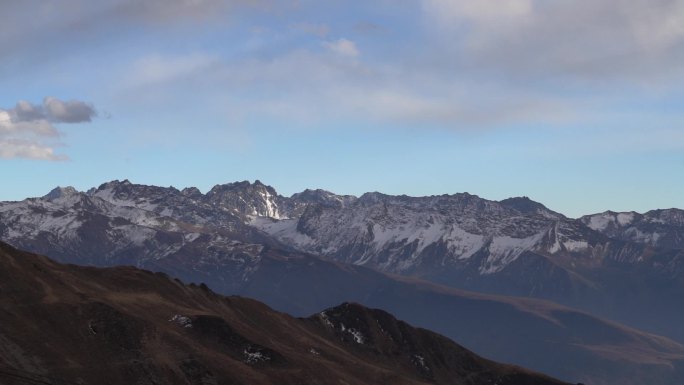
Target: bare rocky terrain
(63, 324)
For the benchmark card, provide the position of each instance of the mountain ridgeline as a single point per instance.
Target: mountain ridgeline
(412, 256)
(64, 324)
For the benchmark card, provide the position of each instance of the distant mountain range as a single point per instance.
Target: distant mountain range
(78, 325)
(316, 249)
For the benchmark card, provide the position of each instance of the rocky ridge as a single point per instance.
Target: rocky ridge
(78, 325)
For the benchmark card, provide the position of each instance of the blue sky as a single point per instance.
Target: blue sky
(577, 105)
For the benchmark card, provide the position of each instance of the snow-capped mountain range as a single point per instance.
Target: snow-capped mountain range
(408, 235)
(513, 247)
(661, 228)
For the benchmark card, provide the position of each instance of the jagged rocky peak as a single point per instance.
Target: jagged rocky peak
(460, 202)
(192, 192)
(371, 198)
(128, 185)
(125, 193)
(60, 192)
(323, 197)
(110, 188)
(525, 205)
(256, 199)
(670, 216)
(114, 184)
(241, 187)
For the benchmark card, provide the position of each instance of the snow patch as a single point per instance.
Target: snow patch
(625, 218)
(600, 222)
(284, 230)
(504, 250)
(191, 237)
(181, 320)
(420, 362)
(556, 247)
(271, 206)
(358, 337)
(254, 356)
(575, 246)
(463, 243)
(325, 319)
(425, 235)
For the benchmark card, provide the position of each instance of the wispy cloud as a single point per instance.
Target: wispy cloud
(34, 32)
(458, 64)
(465, 65)
(320, 30)
(343, 47)
(159, 69)
(595, 42)
(311, 87)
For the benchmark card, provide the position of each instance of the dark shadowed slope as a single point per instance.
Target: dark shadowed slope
(63, 324)
(553, 339)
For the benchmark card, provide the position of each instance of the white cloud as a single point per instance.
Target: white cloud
(27, 130)
(342, 47)
(11, 125)
(12, 149)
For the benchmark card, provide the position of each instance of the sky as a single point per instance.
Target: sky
(578, 105)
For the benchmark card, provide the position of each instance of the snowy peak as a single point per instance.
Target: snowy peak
(398, 234)
(403, 234)
(60, 192)
(244, 186)
(125, 193)
(125, 187)
(248, 199)
(609, 220)
(660, 228)
(674, 217)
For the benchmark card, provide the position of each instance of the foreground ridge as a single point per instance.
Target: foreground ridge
(66, 324)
